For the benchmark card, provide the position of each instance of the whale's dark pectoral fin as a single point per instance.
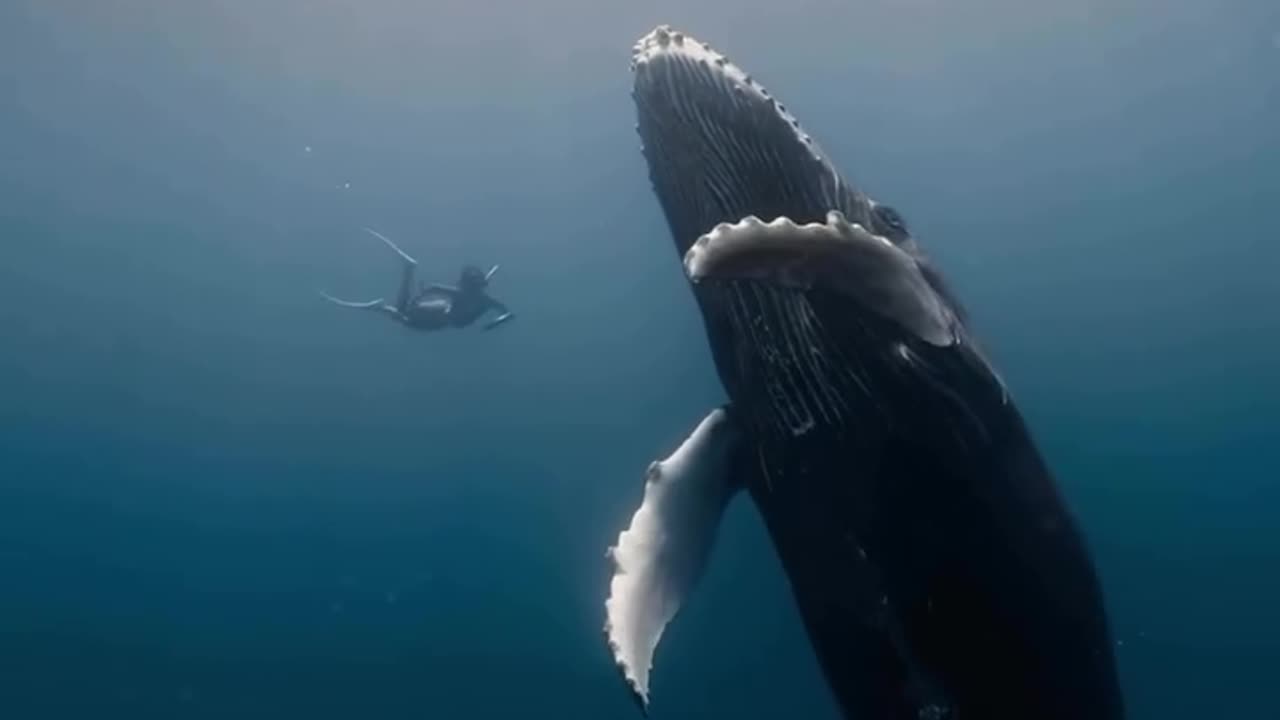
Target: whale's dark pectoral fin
(836, 256)
(370, 305)
(660, 556)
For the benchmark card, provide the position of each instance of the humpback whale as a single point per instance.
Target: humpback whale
(937, 569)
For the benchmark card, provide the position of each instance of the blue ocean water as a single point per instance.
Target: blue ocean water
(221, 497)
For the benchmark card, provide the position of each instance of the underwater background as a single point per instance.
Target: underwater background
(221, 497)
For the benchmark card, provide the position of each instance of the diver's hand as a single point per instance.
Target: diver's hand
(498, 321)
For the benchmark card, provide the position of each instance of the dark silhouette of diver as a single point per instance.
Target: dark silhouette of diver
(434, 306)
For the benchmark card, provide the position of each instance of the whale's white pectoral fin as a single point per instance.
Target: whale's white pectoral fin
(660, 556)
(836, 255)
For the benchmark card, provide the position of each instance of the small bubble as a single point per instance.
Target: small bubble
(307, 149)
(933, 712)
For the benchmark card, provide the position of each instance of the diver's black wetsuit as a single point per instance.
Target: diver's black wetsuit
(436, 306)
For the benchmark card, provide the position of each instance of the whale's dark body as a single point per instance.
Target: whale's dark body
(935, 565)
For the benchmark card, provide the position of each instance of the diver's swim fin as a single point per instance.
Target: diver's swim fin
(370, 305)
(392, 245)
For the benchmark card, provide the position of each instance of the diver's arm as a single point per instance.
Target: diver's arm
(503, 314)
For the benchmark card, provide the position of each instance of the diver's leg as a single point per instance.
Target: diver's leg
(405, 295)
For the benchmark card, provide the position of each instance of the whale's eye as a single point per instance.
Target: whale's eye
(890, 220)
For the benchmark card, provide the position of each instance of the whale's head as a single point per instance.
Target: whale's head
(720, 147)
(806, 275)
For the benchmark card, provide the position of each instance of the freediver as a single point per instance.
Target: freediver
(434, 306)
